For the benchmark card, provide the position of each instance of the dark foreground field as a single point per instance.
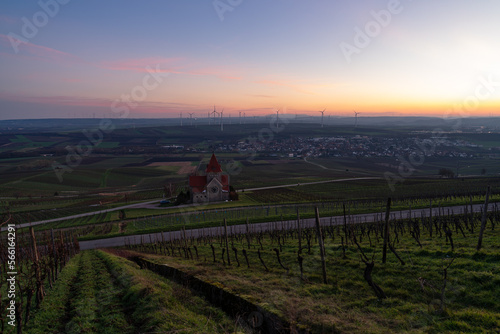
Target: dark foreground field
(101, 293)
(434, 281)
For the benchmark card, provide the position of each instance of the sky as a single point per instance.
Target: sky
(160, 58)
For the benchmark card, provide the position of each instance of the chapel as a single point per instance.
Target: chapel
(211, 187)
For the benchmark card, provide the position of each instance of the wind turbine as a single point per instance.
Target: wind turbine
(322, 115)
(240, 117)
(214, 113)
(355, 118)
(221, 121)
(191, 117)
(180, 114)
(277, 117)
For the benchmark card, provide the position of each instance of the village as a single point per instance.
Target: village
(351, 146)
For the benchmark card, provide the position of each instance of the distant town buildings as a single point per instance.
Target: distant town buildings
(354, 146)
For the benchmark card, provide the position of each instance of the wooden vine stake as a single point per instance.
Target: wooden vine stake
(227, 243)
(386, 229)
(36, 263)
(321, 246)
(248, 234)
(299, 234)
(483, 220)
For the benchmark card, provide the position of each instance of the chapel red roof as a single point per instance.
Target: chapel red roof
(213, 166)
(198, 183)
(197, 180)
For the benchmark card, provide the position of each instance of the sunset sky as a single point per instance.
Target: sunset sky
(80, 58)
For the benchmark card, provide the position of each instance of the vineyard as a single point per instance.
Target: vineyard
(255, 214)
(30, 266)
(37, 209)
(259, 204)
(373, 190)
(428, 274)
(101, 293)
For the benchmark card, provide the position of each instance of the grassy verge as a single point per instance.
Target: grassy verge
(87, 302)
(160, 305)
(414, 302)
(99, 292)
(53, 307)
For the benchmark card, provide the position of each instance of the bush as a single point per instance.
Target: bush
(446, 172)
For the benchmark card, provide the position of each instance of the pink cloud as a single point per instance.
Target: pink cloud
(217, 72)
(58, 100)
(292, 86)
(139, 65)
(7, 19)
(171, 65)
(177, 65)
(71, 80)
(104, 104)
(30, 50)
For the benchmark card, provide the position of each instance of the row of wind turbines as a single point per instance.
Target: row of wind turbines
(355, 117)
(214, 115)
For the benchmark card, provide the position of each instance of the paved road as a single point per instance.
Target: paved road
(238, 229)
(316, 182)
(136, 205)
(148, 204)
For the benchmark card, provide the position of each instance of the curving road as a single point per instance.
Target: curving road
(148, 204)
(316, 182)
(289, 224)
(136, 205)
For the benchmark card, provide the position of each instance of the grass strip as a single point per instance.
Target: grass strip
(159, 305)
(53, 308)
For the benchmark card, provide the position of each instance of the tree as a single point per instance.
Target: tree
(182, 198)
(168, 190)
(446, 172)
(233, 195)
